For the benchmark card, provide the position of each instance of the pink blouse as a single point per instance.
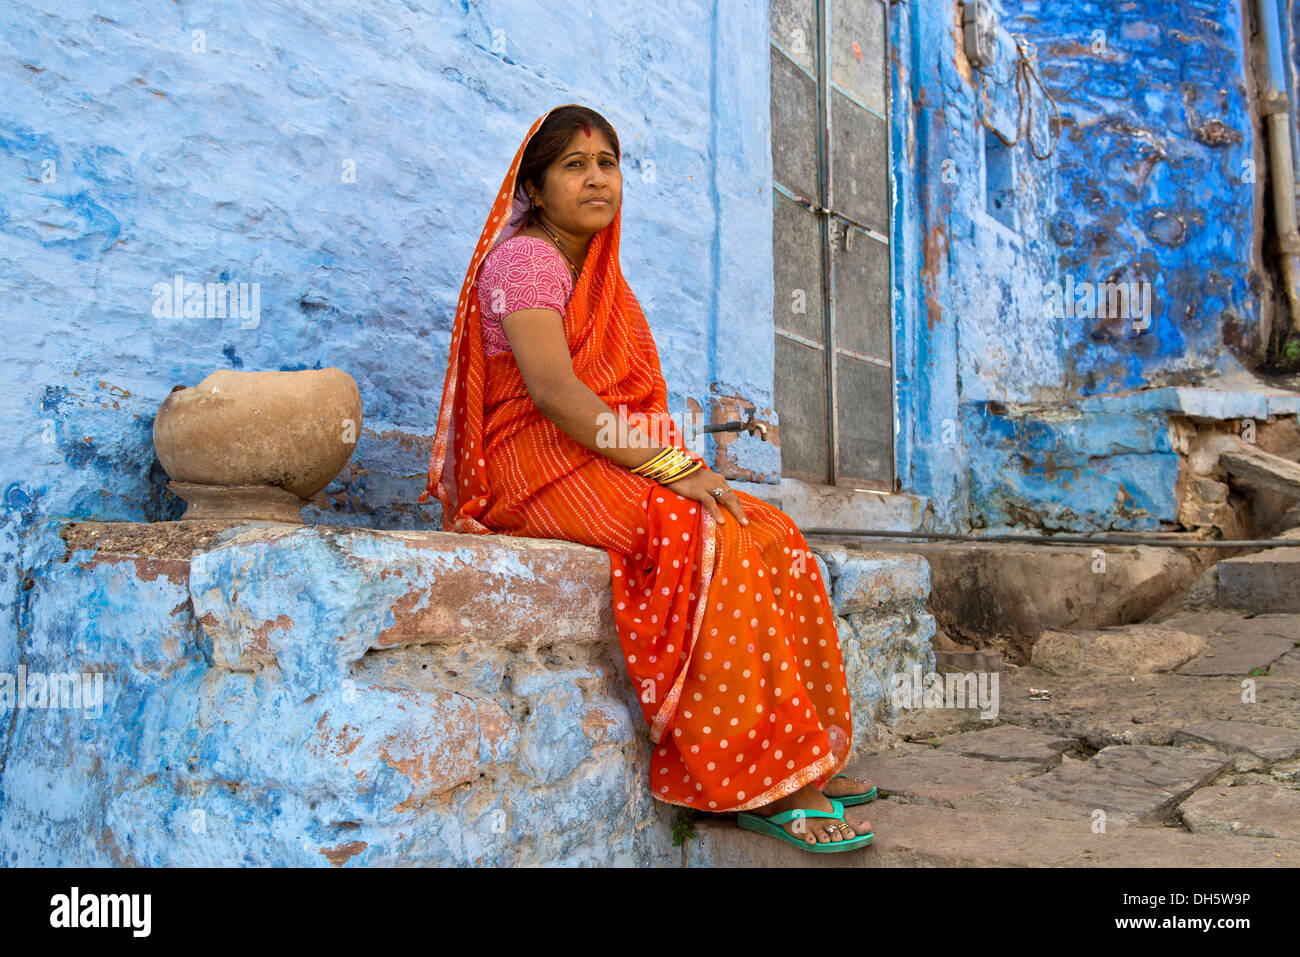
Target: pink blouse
(523, 272)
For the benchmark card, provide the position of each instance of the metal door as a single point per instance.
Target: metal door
(834, 387)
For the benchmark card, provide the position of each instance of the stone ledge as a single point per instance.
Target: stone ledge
(1265, 582)
(827, 506)
(321, 695)
(1001, 596)
(300, 609)
(1251, 399)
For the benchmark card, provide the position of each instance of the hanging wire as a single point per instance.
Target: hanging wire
(1026, 76)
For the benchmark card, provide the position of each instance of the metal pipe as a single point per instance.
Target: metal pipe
(1270, 27)
(1276, 106)
(1059, 539)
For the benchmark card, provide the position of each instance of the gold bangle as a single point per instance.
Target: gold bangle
(650, 462)
(691, 463)
(664, 460)
(678, 464)
(673, 462)
(673, 478)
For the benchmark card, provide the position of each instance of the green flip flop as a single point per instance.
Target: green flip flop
(771, 826)
(851, 799)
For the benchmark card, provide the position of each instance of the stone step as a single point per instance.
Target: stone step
(1252, 746)
(1001, 596)
(1238, 644)
(1264, 582)
(1287, 667)
(1252, 810)
(342, 696)
(1009, 743)
(913, 835)
(1256, 468)
(923, 775)
(964, 662)
(1121, 784)
(1103, 710)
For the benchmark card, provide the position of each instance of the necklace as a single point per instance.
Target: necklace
(563, 251)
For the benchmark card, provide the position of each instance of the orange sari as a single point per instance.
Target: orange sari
(727, 632)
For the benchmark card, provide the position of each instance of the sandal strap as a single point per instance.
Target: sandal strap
(785, 817)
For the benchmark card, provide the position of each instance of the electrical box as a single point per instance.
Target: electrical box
(979, 27)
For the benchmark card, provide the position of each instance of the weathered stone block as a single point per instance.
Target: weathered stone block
(1264, 582)
(318, 696)
(938, 777)
(879, 583)
(1132, 784)
(1133, 649)
(1009, 743)
(289, 595)
(1253, 745)
(875, 649)
(1253, 810)
(1238, 645)
(1001, 596)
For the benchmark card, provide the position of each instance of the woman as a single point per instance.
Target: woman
(725, 627)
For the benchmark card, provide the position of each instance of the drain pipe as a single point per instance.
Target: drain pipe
(1276, 105)
(1057, 539)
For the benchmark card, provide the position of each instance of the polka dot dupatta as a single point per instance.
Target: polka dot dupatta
(727, 632)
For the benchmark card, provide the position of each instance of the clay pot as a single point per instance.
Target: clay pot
(257, 445)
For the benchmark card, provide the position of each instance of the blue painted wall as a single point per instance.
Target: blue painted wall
(1155, 179)
(341, 156)
(215, 142)
(1150, 182)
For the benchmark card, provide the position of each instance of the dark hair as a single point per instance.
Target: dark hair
(550, 140)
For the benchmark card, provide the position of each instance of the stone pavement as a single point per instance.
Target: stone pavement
(1194, 766)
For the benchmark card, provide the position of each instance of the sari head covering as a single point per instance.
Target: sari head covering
(485, 398)
(726, 631)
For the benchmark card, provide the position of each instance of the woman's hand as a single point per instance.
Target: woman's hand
(696, 486)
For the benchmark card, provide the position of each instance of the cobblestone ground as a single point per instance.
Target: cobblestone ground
(1197, 767)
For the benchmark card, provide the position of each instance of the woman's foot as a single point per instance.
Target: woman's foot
(843, 787)
(811, 830)
(854, 816)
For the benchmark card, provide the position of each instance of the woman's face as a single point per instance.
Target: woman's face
(585, 173)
